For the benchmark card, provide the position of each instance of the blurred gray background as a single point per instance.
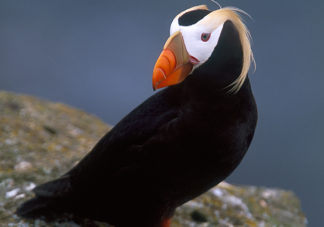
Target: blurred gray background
(99, 55)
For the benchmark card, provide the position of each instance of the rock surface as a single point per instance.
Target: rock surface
(40, 140)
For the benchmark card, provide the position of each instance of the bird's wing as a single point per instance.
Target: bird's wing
(149, 124)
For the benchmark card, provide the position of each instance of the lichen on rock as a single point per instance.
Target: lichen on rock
(40, 140)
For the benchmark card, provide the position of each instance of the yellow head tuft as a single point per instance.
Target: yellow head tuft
(219, 17)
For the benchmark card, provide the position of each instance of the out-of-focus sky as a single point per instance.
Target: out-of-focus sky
(99, 55)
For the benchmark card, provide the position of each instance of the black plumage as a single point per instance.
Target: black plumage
(176, 145)
(193, 17)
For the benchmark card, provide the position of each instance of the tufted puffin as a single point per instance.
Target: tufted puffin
(180, 142)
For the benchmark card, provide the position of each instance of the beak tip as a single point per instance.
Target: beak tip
(154, 86)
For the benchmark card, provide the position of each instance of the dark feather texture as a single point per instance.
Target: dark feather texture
(176, 145)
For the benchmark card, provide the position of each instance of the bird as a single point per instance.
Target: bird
(180, 142)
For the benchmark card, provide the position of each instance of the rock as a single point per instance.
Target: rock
(23, 166)
(229, 205)
(40, 140)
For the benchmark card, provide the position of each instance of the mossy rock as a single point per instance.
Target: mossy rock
(40, 140)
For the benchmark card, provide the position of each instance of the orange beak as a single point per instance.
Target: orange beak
(173, 64)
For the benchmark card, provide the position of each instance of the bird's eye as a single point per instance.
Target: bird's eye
(205, 37)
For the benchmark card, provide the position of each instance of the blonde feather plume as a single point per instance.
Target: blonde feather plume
(218, 17)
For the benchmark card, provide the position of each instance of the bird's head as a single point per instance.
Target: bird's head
(200, 37)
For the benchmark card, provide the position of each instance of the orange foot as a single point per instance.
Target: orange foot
(166, 223)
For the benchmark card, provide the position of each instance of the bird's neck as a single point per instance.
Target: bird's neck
(217, 84)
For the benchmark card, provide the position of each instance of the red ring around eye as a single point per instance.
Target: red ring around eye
(205, 37)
